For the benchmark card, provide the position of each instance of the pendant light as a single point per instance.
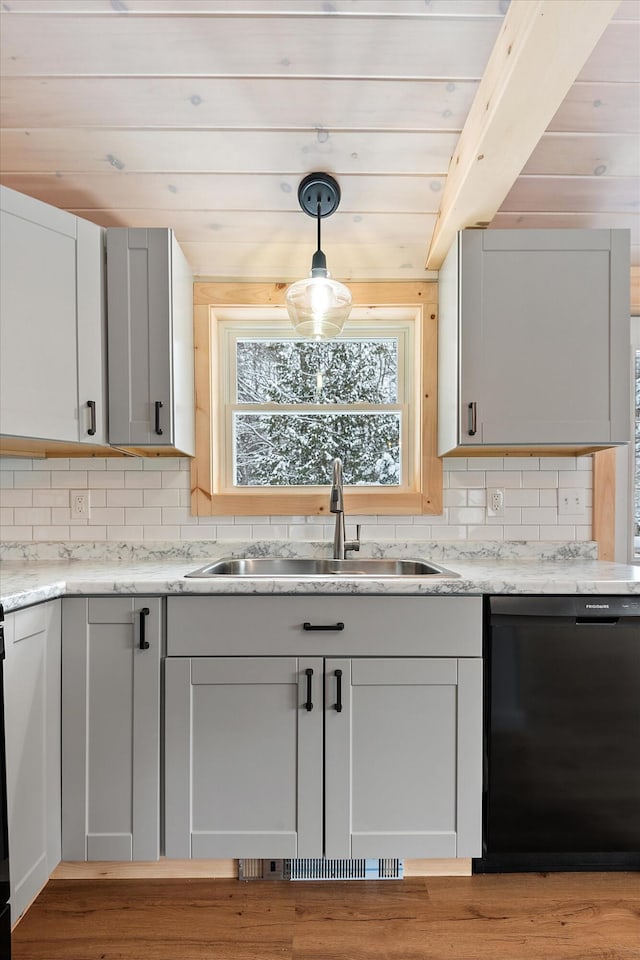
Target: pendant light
(318, 306)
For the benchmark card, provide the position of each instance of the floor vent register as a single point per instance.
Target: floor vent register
(318, 868)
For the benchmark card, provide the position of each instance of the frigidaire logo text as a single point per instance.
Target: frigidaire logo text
(597, 606)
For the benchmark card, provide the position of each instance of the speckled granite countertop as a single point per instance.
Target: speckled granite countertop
(31, 573)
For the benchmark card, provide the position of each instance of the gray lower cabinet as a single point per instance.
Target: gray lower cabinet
(111, 650)
(32, 722)
(312, 755)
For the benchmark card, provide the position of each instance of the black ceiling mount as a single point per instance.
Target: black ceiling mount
(322, 189)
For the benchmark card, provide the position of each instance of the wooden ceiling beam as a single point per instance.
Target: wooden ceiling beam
(541, 48)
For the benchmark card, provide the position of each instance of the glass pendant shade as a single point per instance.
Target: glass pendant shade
(318, 306)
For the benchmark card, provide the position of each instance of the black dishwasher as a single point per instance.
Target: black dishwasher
(562, 734)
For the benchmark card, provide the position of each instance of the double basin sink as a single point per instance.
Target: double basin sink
(304, 567)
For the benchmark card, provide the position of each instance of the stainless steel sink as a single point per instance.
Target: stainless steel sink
(301, 567)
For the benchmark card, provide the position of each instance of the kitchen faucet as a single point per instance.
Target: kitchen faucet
(336, 505)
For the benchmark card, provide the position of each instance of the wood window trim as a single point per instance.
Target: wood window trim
(206, 502)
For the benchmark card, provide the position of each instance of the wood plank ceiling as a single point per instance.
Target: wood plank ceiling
(203, 115)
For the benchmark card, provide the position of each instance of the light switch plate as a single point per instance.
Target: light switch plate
(571, 502)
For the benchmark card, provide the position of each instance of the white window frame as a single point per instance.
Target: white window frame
(233, 324)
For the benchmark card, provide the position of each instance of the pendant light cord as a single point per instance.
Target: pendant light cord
(319, 218)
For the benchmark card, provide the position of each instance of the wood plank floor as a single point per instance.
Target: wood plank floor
(578, 916)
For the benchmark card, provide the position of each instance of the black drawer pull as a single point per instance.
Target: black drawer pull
(92, 417)
(473, 427)
(338, 675)
(144, 643)
(309, 704)
(323, 626)
(159, 405)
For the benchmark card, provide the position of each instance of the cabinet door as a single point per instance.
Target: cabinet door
(32, 721)
(38, 382)
(403, 748)
(92, 346)
(150, 296)
(544, 326)
(111, 728)
(52, 383)
(243, 757)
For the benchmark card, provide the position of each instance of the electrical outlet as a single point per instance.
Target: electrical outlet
(571, 502)
(80, 507)
(495, 502)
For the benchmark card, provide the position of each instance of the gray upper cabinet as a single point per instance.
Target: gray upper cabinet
(53, 351)
(32, 722)
(150, 340)
(111, 728)
(533, 340)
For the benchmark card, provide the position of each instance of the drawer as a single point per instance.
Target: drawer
(311, 625)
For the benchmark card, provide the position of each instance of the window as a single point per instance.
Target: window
(273, 410)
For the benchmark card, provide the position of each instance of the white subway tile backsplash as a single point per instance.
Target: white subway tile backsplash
(31, 515)
(56, 463)
(485, 533)
(17, 498)
(456, 497)
(105, 478)
(504, 478)
(544, 478)
(161, 532)
(124, 463)
(71, 479)
(469, 478)
(130, 532)
(539, 515)
(521, 463)
(557, 532)
(521, 498)
(234, 531)
(107, 515)
(574, 479)
(521, 532)
(31, 479)
(123, 498)
(17, 533)
(161, 498)
(16, 463)
(51, 533)
(136, 499)
(143, 515)
(49, 498)
(144, 480)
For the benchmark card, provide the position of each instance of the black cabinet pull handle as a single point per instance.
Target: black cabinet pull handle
(92, 417)
(323, 626)
(144, 613)
(472, 419)
(338, 675)
(309, 703)
(158, 405)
